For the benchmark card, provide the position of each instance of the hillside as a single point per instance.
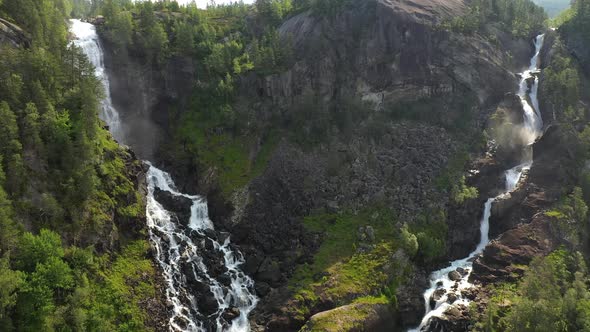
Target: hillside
(304, 165)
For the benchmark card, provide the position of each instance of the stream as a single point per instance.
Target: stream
(447, 285)
(183, 248)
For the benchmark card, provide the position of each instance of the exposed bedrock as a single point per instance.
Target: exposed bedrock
(553, 172)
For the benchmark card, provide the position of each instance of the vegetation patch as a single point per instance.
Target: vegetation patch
(348, 270)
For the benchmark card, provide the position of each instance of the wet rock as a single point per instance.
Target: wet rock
(262, 288)
(553, 172)
(179, 205)
(225, 279)
(210, 233)
(207, 304)
(454, 276)
(455, 319)
(451, 298)
(269, 272)
(462, 271)
(436, 296)
(411, 300)
(231, 313)
(98, 20)
(502, 259)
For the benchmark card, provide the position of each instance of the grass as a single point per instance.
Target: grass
(347, 318)
(128, 282)
(228, 154)
(338, 273)
(340, 237)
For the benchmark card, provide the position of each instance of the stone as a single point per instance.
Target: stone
(370, 231)
(179, 205)
(451, 298)
(262, 288)
(231, 313)
(454, 276)
(436, 296)
(269, 272)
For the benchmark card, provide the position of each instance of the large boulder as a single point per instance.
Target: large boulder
(554, 171)
(12, 35)
(455, 319)
(179, 205)
(503, 259)
(356, 317)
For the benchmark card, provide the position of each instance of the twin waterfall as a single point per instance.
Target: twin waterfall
(446, 289)
(180, 246)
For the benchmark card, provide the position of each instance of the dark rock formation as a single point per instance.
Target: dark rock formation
(179, 205)
(12, 35)
(503, 259)
(455, 319)
(554, 170)
(145, 95)
(383, 51)
(386, 46)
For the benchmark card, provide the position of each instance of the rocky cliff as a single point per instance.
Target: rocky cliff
(397, 58)
(12, 35)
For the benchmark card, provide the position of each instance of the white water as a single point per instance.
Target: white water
(533, 125)
(178, 248)
(87, 40)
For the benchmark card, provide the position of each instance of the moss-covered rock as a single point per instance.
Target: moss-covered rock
(376, 315)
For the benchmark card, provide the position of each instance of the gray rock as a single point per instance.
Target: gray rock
(454, 276)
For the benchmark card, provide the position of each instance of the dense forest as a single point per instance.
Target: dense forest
(71, 217)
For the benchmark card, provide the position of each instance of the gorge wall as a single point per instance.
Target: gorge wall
(394, 57)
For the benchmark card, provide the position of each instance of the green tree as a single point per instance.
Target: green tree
(10, 283)
(121, 29)
(37, 249)
(30, 128)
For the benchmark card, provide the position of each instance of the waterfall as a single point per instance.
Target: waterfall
(440, 282)
(183, 248)
(87, 40)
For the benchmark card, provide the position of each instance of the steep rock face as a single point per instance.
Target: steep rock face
(553, 172)
(505, 259)
(12, 35)
(383, 51)
(145, 95)
(389, 50)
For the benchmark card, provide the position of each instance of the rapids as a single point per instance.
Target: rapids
(183, 248)
(440, 281)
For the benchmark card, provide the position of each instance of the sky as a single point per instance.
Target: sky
(553, 7)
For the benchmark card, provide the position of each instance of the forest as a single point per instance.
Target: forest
(65, 189)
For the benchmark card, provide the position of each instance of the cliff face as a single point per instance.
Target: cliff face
(387, 53)
(147, 96)
(12, 35)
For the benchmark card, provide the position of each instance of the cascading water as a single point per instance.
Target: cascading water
(87, 40)
(440, 281)
(181, 246)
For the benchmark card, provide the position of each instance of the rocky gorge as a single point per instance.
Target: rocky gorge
(440, 87)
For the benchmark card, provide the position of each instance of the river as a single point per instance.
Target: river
(444, 291)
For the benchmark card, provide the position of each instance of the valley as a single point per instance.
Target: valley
(305, 165)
